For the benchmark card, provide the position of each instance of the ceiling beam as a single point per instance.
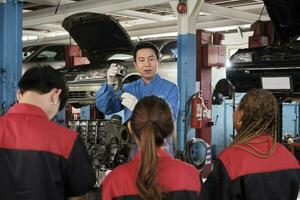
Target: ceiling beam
(57, 39)
(161, 27)
(250, 7)
(152, 25)
(35, 33)
(221, 1)
(50, 2)
(199, 19)
(41, 18)
(231, 13)
(47, 15)
(173, 28)
(49, 27)
(143, 15)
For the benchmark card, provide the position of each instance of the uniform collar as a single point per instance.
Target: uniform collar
(156, 77)
(262, 138)
(29, 109)
(160, 153)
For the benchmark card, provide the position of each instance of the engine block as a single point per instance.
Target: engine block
(107, 142)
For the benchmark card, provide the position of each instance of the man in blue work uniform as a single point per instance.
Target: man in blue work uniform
(146, 62)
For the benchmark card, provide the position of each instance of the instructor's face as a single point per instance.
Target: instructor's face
(146, 64)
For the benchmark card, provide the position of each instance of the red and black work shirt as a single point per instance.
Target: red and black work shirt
(178, 179)
(240, 175)
(40, 160)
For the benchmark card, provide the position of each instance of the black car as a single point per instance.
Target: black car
(275, 67)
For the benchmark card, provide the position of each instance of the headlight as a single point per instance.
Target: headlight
(91, 75)
(241, 58)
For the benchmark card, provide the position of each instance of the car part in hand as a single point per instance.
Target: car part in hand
(112, 74)
(121, 73)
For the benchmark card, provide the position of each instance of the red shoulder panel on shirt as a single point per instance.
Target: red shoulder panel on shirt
(239, 162)
(29, 132)
(174, 175)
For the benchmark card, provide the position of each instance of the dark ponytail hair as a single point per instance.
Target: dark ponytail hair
(151, 122)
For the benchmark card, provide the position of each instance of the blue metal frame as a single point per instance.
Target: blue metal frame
(186, 81)
(186, 63)
(10, 51)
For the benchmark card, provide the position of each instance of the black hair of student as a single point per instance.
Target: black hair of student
(151, 122)
(42, 79)
(145, 45)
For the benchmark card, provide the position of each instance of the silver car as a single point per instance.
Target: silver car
(44, 54)
(103, 41)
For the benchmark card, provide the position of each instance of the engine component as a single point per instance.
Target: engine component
(121, 73)
(121, 70)
(107, 142)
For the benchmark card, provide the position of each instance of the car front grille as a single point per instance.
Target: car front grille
(77, 94)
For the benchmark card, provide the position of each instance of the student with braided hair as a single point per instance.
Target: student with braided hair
(153, 174)
(254, 166)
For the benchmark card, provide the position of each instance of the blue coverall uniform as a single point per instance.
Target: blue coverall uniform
(108, 103)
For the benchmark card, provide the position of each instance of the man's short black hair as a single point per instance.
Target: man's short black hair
(42, 80)
(145, 45)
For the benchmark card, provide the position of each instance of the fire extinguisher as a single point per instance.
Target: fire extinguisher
(198, 111)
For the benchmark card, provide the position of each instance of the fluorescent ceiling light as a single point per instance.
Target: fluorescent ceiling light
(227, 28)
(172, 34)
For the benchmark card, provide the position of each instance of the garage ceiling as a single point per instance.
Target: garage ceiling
(42, 18)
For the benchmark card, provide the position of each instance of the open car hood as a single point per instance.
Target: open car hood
(285, 15)
(98, 36)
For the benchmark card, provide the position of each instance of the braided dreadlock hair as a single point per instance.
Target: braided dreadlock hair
(260, 109)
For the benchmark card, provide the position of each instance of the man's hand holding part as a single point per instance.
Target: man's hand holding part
(111, 74)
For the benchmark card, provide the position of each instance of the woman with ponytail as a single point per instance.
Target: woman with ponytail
(153, 174)
(254, 166)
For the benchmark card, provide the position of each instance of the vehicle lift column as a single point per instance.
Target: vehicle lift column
(186, 63)
(10, 51)
(210, 53)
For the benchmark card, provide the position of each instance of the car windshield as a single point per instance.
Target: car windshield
(28, 51)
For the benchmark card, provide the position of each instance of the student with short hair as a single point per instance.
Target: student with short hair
(39, 159)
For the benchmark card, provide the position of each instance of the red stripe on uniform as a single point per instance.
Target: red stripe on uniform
(19, 131)
(239, 162)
